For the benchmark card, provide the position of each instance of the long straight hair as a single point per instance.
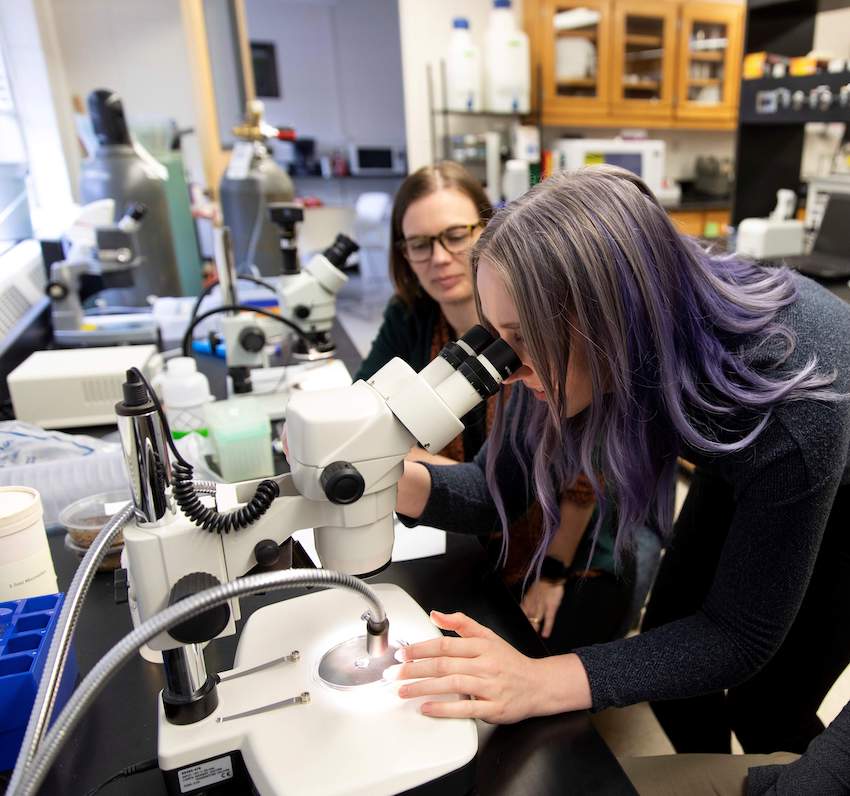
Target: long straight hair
(671, 334)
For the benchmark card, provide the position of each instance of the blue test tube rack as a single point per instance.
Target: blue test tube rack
(26, 628)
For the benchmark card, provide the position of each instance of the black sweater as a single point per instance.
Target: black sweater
(823, 770)
(784, 486)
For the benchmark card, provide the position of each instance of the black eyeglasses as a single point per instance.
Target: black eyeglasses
(455, 240)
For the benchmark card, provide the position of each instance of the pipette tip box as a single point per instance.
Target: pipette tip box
(26, 628)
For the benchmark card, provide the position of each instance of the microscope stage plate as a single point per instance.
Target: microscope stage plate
(360, 741)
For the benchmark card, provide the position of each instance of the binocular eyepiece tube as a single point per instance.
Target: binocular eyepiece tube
(477, 378)
(455, 353)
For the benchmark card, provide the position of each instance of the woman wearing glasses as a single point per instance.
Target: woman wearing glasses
(438, 214)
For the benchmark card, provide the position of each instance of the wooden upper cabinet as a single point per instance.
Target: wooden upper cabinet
(708, 83)
(653, 63)
(574, 41)
(644, 59)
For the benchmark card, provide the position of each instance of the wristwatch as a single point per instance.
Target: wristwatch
(555, 570)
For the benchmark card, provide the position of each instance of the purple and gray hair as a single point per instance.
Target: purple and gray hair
(671, 333)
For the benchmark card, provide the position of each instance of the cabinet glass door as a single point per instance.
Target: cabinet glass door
(575, 58)
(710, 60)
(644, 52)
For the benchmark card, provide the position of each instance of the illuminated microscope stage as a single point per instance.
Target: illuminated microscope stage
(362, 740)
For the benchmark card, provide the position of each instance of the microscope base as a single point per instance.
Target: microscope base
(290, 733)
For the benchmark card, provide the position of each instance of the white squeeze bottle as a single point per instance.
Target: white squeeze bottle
(185, 393)
(463, 69)
(507, 70)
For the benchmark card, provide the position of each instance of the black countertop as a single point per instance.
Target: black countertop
(538, 756)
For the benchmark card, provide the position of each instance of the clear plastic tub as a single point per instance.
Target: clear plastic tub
(85, 517)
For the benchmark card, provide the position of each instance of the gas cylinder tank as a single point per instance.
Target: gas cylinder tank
(244, 199)
(115, 170)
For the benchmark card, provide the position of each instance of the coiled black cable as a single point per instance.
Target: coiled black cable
(184, 490)
(210, 519)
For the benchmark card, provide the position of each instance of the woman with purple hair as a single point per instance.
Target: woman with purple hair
(638, 347)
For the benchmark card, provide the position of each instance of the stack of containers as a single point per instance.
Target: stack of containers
(504, 72)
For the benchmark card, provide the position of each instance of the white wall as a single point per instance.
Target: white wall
(425, 31)
(137, 50)
(339, 68)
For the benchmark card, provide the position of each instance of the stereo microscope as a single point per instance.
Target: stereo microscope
(305, 708)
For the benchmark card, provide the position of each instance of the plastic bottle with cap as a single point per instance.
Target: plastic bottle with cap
(463, 69)
(507, 67)
(26, 566)
(185, 392)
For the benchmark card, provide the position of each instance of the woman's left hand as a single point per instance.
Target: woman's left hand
(541, 603)
(505, 685)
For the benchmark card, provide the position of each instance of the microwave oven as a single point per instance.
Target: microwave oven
(379, 161)
(646, 158)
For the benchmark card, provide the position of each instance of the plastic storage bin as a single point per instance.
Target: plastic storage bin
(240, 432)
(26, 628)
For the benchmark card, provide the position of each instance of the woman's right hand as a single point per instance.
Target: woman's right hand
(284, 442)
(414, 489)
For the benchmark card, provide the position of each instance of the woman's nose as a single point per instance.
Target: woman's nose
(439, 254)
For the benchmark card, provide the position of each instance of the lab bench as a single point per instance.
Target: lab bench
(539, 756)
(549, 755)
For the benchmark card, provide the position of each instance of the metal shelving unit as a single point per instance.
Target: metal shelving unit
(439, 142)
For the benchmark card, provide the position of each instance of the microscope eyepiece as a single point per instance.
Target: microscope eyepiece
(477, 338)
(455, 353)
(502, 357)
(486, 372)
(340, 250)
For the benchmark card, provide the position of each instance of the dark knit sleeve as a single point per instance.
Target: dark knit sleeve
(392, 340)
(783, 498)
(824, 768)
(460, 500)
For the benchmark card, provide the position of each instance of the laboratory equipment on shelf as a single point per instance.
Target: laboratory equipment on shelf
(121, 169)
(305, 709)
(507, 66)
(97, 247)
(251, 182)
(779, 235)
(70, 388)
(463, 69)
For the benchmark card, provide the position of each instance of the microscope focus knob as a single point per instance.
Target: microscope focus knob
(301, 311)
(342, 483)
(252, 339)
(204, 626)
(267, 553)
